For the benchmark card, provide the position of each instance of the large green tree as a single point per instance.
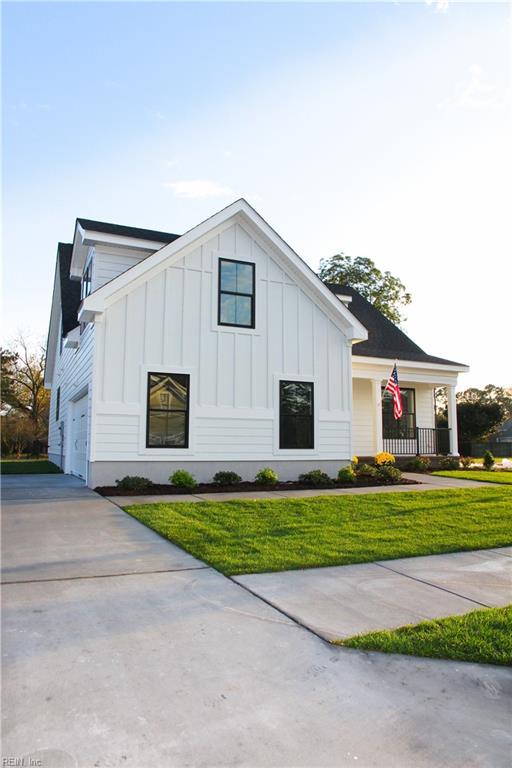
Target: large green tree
(477, 420)
(479, 411)
(386, 292)
(489, 395)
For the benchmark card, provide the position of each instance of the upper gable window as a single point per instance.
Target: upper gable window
(236, 293)
(86, 282)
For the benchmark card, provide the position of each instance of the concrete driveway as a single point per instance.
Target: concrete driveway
(120, 649)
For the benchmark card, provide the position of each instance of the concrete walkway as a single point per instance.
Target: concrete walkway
(348, 600)
(424, 483)
(121, 649)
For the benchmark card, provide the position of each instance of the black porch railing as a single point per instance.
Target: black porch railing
(417, 441)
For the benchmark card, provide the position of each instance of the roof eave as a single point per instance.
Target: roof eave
(53, 329)
(84, 238)
(448, 366)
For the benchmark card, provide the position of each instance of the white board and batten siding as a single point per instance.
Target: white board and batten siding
(168, 323)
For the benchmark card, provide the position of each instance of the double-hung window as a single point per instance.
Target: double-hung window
(296, 415)
(236, 293)
(167, 410)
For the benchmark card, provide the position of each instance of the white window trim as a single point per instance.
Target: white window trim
(216, 257)
(164, 453)
(295, 453)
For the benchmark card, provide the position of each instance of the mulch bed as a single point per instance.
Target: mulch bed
(171, 490)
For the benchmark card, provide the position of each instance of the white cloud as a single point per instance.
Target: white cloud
(198, 189)
(441, 6)
(475, 92)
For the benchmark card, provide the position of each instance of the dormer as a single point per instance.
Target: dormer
(102, 251)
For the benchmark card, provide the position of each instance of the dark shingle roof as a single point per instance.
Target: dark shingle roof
(119, 229)
(69, 289)
(385, 339)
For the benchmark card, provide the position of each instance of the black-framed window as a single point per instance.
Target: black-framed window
(236, 293)
(296, 414)
(86, 287)
(57, 405)
(405, 426)
(167, 410)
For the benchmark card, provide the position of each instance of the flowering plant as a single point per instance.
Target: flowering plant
(384, 458)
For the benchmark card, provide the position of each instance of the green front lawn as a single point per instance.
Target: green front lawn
(283, 534)
(495, 476)
(28, 467)
(481, 636)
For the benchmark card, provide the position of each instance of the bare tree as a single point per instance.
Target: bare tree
(23, 392)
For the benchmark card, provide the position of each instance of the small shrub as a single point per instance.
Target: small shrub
(389, 474)
(346, 475)
(354, 462)
(266, 476)
(134, 483)
(316, 477)
(384, 458)
(366, 470)
(488, 460)
(183, 479)
(449, 462)
(226, 478)
(418, 464)
(466, 461)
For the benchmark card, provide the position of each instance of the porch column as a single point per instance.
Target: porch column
(377, 411)
(452, 419)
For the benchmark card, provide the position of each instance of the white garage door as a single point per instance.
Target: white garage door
(79, 438)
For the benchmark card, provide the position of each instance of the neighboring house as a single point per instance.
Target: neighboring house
(221, 349)
(504, 433)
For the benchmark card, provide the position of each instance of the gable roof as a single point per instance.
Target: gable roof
(385, 339)
(69, 289)
(123, 231)
(240, 211)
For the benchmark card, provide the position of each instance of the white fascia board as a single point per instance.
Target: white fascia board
(355, 331)
(122, 241)
(53, 331)
(85, 238)
(78, 254)
(436, 374)
(95, 303)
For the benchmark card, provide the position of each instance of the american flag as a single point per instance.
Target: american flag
(392, 386)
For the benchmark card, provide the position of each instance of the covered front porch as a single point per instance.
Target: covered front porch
(374, 428)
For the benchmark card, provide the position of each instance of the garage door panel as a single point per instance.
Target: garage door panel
(79, 437)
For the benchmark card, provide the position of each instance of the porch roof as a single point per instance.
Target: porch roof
(385, 339)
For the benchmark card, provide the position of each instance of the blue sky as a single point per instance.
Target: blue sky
(380, 129)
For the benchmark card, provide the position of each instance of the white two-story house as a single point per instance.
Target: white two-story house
(221, 349)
